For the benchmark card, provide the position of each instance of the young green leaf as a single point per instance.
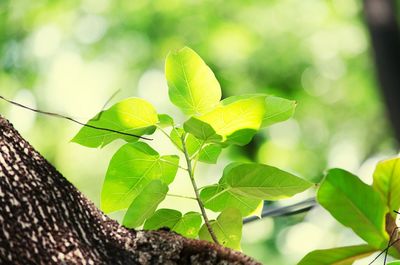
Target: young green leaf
(387, 182)
(261, 181)
(164, 120)
(145, 203)
(277, 110)
(201, 130)
(227, 228)
(187, 225)
(131, 168)
(176, 137)
(208, 153)
(192, 85)
(132, 115)
(218, 198)
(354, 204)
(342, 255)
(236, 121)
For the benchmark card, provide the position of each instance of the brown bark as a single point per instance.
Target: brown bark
(44, 219)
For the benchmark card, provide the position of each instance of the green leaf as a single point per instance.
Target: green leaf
(192, 85)
(396, 262)
(337, 256)
(210, 153)
(201, 130)
(235, 121)
(218, 198)
(145, 203)
(187, 225)
(387, 182)
(227, 228)
(176, 137)
(131, 168)
(277, 110)
(164, 120)
(354, 204)
(261, 181)
(132, 115)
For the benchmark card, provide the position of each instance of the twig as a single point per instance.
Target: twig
(72, 119)
(200, 203)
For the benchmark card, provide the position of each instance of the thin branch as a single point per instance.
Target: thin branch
(200, 203)
(73, 120)
(181, 196)
(296, 208)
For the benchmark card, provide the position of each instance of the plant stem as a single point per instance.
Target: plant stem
(200, 203)
(181, 196)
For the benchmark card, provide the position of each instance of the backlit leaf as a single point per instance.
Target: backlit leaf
(145, 203)
(187, 225)
(227, 228)
(261, 181)
(218, 198)
(387, 182)
(132, 115)
(354, 204)
(337, 256)
(131, 168)
(192, 85)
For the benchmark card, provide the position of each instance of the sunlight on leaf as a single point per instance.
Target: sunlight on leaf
(192, 84)
(187, 225)
(132, 115)
(354, 204)
(339, 256)
(261, 181)
(227, 228)
(145, 203)
(387, 182)
(131, 168)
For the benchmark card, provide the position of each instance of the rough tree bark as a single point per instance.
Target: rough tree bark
(44, 219)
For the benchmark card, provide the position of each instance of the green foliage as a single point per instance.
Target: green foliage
(387, 182)
(132, 115)
(187, 225)
(366, 209)
(131, 168)
(145, 203)
(138, 176)
(342, 255)
(352, 205)
(192, 85)
(227, 228)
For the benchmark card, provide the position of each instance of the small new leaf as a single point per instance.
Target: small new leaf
(187, 225)
(342, 255)
(387, 182)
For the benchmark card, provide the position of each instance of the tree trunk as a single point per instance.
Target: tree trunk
(44, 219)
(382, 24)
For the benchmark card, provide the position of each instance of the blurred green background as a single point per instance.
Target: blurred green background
(71, 56)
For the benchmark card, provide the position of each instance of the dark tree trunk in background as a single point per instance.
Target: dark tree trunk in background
(385, 38)
(44, 219)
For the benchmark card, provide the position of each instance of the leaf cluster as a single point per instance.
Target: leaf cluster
(138, 177)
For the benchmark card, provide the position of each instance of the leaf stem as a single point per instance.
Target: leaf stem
(181, 196)
(200, 203)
